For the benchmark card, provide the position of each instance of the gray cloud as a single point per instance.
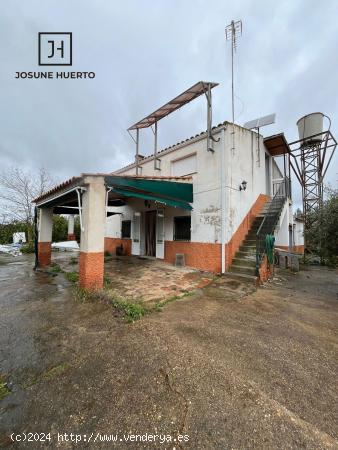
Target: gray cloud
(144, 53)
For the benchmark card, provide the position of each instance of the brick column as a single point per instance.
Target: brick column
(45, 236)
(71, 235)
(92, 236)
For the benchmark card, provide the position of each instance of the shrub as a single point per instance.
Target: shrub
(28, 248)
(72, 276)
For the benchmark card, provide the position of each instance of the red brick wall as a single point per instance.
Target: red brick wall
(238, 237)
(110, 245)
(44, 253)
(71, 237)
(203, 256)
(91, 271)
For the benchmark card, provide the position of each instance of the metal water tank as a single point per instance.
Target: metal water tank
(310, 125)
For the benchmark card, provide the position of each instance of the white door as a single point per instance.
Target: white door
(136, 234)
(160, 233)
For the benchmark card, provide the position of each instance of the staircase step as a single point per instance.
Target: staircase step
(245, 253)
(244, 262)
(239, 269)
(241, 277)
(247, 248)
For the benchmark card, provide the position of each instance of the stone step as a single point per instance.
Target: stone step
(245, 253)
(247, 248)
(244, 262)
(246, 270)
(241, 277)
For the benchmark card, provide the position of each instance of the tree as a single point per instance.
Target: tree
(60, 229)
(18, 188)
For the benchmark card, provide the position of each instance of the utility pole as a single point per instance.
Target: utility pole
(232, 32)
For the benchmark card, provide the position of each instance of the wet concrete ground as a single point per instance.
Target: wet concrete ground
(230, 367)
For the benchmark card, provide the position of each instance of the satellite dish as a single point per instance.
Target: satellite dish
(260, 122)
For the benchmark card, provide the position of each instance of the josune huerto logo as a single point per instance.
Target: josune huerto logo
(55, 49)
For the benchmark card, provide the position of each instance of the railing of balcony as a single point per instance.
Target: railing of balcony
(286, 187)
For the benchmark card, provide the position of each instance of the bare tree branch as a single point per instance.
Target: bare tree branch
(18, 189)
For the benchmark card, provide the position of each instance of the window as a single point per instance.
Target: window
(182, 227)
(184, 166)
(126, 229)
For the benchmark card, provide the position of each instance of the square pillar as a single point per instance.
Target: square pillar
(92, 235)
(45, 236)
(71, 235)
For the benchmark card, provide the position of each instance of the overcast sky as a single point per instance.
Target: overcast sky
(146, 52)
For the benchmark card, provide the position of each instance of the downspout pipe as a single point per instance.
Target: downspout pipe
(223, 202)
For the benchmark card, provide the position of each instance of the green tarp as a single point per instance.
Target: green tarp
(175, 194)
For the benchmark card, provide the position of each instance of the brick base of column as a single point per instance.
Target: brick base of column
(91, 270)
(71, 237)
(44, 253)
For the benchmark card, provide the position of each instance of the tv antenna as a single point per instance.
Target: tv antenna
(256, 124)
(232, 32)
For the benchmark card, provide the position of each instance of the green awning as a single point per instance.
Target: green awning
(165, 201)
(170, 193)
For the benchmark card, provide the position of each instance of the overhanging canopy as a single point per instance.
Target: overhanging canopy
(187, 96)
(277, 145)
(178, 195)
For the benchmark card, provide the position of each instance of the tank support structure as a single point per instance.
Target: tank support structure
(310, 159)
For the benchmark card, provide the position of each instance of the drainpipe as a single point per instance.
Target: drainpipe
(223, 198)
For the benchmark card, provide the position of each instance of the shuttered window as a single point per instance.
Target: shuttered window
(184, 166)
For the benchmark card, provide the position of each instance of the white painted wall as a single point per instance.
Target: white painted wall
(246, 162)
(282, 236)
(298, 232)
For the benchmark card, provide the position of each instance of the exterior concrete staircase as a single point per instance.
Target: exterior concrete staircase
(244, 263)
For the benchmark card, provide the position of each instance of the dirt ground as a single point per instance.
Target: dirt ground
(228, 367)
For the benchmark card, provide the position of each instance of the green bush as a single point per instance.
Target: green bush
(60, 229)
(72, 276)
(28, 248)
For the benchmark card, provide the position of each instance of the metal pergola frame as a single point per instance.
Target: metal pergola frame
(200, 88)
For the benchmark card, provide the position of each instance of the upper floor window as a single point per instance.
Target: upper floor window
(184, 166)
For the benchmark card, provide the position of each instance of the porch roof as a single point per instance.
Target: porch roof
(171, 193)
(64, 197)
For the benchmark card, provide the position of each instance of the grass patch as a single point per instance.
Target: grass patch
(106, 280)
(4, 391)
(54, 372)
(72, 276)
(132, 311)
(49, 374)
(159, 305)
(55, 268)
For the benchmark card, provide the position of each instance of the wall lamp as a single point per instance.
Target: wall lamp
(242, 186)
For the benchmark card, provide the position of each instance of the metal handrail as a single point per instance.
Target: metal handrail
(270, 220)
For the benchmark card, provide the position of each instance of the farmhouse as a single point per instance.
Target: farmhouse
(207, 202)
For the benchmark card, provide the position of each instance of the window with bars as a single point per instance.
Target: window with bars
(182, 228)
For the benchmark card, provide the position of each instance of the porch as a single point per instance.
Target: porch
(136, 205)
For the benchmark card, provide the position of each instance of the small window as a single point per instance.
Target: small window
(182, 227)
(126, 229)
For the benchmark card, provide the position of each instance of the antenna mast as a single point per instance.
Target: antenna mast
(232, 32)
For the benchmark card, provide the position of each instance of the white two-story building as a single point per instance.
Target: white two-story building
(204, 198)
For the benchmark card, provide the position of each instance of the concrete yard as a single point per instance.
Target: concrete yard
(229, 366)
